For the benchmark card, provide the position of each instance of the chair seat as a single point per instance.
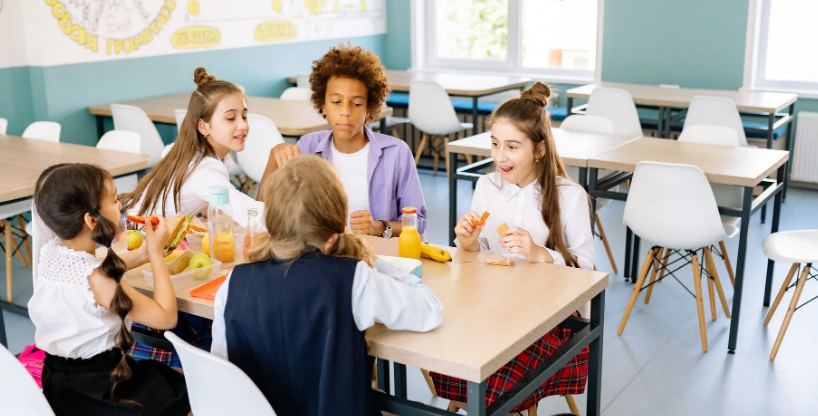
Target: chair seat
(390, 122)
(16, 208)
(729, 221)
(799, 246)
(29, 228)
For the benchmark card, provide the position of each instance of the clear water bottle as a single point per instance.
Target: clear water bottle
(253, 231)
(220, 225)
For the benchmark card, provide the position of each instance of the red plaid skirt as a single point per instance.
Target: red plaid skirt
(570, 380)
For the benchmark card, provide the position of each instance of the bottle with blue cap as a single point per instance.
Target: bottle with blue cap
(220, 224)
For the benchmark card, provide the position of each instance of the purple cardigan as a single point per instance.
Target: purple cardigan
(391, 174)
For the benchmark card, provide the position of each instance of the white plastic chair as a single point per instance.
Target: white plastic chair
(432, 112)
(132, 118)
(217, 387)
(726, 195)
(592, 124)
(796, 247)
(296, 94)
(19, 393)
(3, 125)
(263, 136)
(391, 125)
(672, 206)
(303, 81)
(715, 111)
(618, 106)
(123, 141)
(48, 131)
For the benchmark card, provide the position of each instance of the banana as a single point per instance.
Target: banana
(434, 253)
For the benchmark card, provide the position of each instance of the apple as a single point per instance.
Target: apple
(197, 262)
(134, 239)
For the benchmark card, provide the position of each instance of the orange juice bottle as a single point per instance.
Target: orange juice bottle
(409, 240)
(220, 225)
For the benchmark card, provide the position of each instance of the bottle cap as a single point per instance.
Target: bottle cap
(409, 210)
(219, 195)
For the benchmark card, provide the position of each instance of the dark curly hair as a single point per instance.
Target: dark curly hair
(351, 62)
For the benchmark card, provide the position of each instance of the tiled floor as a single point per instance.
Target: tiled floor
(656, 367)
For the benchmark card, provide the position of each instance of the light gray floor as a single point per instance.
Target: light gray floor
(656, 367)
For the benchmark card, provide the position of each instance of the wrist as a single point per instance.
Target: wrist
(378, 228)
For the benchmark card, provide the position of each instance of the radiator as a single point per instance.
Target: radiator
(805, 154)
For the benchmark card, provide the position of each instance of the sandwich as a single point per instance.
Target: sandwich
(177, 230)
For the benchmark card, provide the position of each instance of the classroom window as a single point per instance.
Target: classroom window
(784, 58)
(543, 37)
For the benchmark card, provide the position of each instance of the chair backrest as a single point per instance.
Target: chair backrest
(431, 109)
(48, 131)
(588, 124)
(180, 116)
(618, 106)
(132, 118)
(19, 393)
(216, 386)
(673, 206)
(303, 81)
(4, 124)
(166, 150)
(263, 136)
(297, 94)
(123, 141)
(715, 111)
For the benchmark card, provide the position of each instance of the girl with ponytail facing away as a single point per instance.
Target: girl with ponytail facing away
(295, 319)
(548, 220)
(82, 307)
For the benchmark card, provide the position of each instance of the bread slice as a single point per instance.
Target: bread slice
(177, 229)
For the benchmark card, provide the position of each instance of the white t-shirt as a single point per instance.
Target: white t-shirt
(352, 168)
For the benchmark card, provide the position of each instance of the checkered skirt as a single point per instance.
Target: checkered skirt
(570, 380)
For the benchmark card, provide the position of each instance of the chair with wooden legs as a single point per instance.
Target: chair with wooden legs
(796, 247)
(432, 112)
(672, 206)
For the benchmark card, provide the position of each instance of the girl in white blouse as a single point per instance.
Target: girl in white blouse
(549, 221)
(215, 125)
(82, 308)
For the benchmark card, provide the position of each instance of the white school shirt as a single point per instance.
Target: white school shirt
(352, 168)
(520, 207)
(384, 294)
(67, 321)
(195, 193)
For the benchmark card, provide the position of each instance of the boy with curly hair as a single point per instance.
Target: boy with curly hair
(349, 87)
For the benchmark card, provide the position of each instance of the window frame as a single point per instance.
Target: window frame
(755, 56)
(424, 50)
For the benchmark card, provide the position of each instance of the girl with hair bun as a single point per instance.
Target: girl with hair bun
(550, 222)
(82, 308)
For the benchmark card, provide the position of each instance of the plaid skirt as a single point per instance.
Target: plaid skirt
(191, 328)
(570, 380)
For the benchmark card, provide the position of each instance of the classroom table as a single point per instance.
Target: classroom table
(573, 147)
(501, 309)
(21, 163)
(464, 85)
(292, 117)
(744, 167)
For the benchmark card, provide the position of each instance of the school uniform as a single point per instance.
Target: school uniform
(381, 178)
(78, 337)
(521, 207)
(311, 358)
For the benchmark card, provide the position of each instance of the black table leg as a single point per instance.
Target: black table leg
(477, 399)
(660, 123)
(400, 380)
(768, 284)
(383, 375)
(474, 115)
(452, 196)
(635, 259)
(594, 398)
(628, 242)
(100, 127)
(3, 341)
(569, 102)
(789, 146)
(740, 262)
(383, 126)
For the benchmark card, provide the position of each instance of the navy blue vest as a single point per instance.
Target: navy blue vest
(290, 328)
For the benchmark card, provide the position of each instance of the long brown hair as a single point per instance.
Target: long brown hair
(63, 194)
(304, 206)
(528, 114)
(191, 146)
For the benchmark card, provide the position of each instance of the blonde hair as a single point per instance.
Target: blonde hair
(528, 114)
(191, 146)
(304, 206)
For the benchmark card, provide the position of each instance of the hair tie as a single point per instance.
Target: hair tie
(95, 213)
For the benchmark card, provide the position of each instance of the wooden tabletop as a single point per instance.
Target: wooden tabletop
(468, 85)
(741, 166)
(293, 118)
(491, 313)
(573, 147)
(22, 161)
(747, 101)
